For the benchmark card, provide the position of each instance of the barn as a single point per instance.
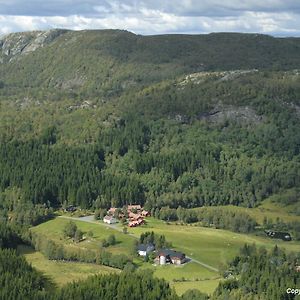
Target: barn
(170, 256)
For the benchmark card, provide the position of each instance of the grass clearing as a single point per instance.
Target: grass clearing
(53, 230)
(205, 286)
(187, 276)
(60, 272)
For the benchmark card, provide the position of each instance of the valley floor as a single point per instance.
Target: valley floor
(208, 248)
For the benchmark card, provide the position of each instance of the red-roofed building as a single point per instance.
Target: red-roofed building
(136, 223)
(145, 213)
(134, 207)
(112, 210)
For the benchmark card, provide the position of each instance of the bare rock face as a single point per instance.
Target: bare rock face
(14, 45)
(200, 77)
(241, 114)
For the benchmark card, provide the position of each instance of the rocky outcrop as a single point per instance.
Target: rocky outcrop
(198, 78)
(13, 45)
(222, 113)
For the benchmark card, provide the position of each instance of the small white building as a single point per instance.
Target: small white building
(110, 220)
(144, 250)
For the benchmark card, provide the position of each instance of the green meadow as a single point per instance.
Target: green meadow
(210, 246)
(60, 272)
(188, 276)
(53, 230)
(205, 286)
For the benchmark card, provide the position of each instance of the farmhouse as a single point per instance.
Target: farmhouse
(143, 249)
(110, 220)
(134, 217)
(170, 256)
(136, 222)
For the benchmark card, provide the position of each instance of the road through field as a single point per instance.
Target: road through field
(203, 264)
(90, 219)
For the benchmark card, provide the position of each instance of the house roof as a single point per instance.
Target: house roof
(134, 216)
(171, 253)
(145, 247)
(109, 218)
(130, 207)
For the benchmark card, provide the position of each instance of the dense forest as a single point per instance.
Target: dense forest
(194, 151)
(275, 270)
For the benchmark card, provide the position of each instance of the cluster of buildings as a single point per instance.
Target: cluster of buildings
(135, 215)
(163, 256)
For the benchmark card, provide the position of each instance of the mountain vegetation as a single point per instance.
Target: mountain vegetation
(275, 270)
(173, 122)
(216, 142)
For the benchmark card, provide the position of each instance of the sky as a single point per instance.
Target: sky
(274, 17)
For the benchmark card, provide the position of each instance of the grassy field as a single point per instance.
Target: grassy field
(188, 276)
(205, 286)
(60, 272)
(207, 245)
(53, 230)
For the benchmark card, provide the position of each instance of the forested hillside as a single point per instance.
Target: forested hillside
(106, 63)
(275, 270)
(96, 118)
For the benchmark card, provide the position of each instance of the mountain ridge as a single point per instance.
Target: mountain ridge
(108, 62)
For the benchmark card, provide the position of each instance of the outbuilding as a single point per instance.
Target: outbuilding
(110, 220)
(145, 249)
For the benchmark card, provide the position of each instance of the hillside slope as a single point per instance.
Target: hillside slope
(107, 62)
(108, 118)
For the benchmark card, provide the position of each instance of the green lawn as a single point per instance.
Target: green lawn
(62, 272)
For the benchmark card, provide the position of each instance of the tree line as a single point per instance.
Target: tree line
(217, 217)
(258, 273)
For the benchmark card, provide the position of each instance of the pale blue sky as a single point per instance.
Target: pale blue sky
(275, 17)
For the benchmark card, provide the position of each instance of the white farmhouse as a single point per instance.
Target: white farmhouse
(110, 220)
